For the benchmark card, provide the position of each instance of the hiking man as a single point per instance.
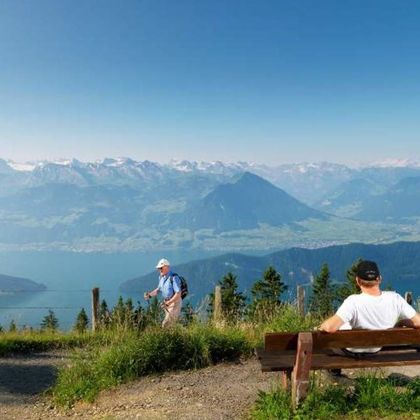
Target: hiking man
(170, 287)
(371, 309)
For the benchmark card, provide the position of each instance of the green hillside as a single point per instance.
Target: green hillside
(398, 262)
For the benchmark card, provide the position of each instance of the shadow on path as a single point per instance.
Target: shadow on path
(23, 377)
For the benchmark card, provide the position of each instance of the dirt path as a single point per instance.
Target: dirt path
(23, 380)
(225, 391)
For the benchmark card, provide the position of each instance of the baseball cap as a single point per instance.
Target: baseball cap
(162, 263)
(367, 270)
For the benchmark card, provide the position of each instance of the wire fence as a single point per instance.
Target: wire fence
(27, 309)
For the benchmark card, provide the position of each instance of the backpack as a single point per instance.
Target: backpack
(184, 285)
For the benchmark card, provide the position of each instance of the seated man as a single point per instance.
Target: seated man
(372, 309)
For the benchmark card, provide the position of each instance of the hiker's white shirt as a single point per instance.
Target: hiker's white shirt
(374, 312)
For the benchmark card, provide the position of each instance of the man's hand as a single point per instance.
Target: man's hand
(146, 295)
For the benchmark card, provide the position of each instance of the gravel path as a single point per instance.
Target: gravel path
(24, 379)
(225, 391)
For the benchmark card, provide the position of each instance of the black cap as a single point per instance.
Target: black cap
(367, 270)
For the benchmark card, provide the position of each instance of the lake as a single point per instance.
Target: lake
(70, 277)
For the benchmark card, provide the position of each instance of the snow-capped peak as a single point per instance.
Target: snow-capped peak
(22, 167)
(395, 163)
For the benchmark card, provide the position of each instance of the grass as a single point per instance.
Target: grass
(155, 350)
(372, 397)
(33, 341)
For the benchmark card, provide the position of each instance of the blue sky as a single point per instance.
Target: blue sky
(266, 81)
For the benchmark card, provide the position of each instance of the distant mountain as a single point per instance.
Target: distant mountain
(350, 197)
(399, 203)
(123, 204)
(246, 204)
(366, 200)
(398, 263)
(9, 284)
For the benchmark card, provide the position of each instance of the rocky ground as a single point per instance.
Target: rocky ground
(225, 391)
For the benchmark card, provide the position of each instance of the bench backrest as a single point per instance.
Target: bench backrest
(349, 338)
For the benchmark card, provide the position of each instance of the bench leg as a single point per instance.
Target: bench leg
(285, 379)
(300, 374)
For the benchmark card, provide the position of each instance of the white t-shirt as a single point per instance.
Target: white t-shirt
(374, 312)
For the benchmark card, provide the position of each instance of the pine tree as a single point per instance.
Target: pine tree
(118, 313)
(12, 326)
(188, 314)
(266, 294)
(104, 315)
(154, 312)
(233, 302)
(129, 313)
(82, 322)
(49, 322)
(323, 293)
(139, 317)
(350, 286)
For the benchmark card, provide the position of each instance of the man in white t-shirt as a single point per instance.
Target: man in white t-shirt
(372, 309)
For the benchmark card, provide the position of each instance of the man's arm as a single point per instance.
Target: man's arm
(411, 323)
(173, 299)
(331, 324)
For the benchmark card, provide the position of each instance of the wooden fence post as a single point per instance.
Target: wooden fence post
(409, 297)
(217, 309)
(95, 309)
(301, 300)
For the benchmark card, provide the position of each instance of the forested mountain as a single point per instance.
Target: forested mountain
(398, 263)
(9, 284)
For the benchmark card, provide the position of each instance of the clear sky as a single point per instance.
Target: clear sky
(267, 81)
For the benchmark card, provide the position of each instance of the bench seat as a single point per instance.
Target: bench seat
(296, 354)
(279, 362)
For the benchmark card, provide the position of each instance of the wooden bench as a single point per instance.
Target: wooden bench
(296, 354)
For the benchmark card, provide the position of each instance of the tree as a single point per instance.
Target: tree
(350, 286)
(154, 312)
(118, 313)
(104, 315)
(323, 293)
(233, 302)
(49, 322)
(12, 326)
(188, 314)
(82, 322)
(266, 294)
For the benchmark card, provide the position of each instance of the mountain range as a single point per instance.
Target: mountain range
(398, 264)
(126, 205)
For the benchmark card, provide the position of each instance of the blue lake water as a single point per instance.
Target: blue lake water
(69, 278)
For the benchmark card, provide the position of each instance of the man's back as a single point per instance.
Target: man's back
(374, 312)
